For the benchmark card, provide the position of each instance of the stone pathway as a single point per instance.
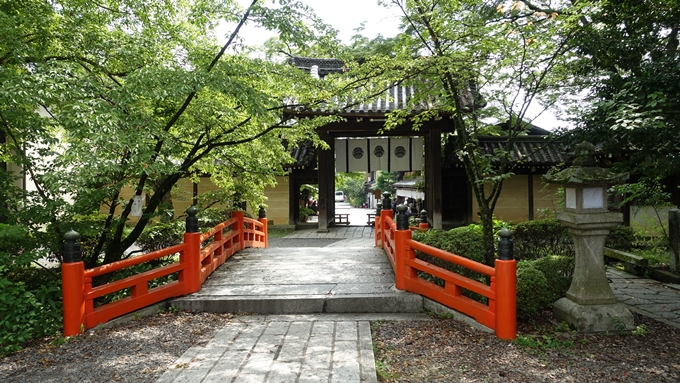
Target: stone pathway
(343, 280)
(331, 347)
(647, 296)
(285, 349)
(336, 232)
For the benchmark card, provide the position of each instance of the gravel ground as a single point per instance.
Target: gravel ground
(136, 351)
(450, 351)
(442, 350)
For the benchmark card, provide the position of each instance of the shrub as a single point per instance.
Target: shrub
(211, 217)
(541, 237)
(158, 236)
(558, 272)
(465, 241)
(16, 246)
(621, 238)
(48, 308)
(30, 298)
(90, 228)
(18, 319)
(135, 270)
(532, 291)
(161, 235)
(27, 313)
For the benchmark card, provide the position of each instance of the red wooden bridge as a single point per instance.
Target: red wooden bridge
(196, 263)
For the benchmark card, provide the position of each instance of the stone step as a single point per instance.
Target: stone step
(303, 281)
(303, 304)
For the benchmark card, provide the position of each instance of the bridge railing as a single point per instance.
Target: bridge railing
(498, 314)
(194, 266)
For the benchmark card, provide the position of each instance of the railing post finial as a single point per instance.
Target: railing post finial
(402, 218)
(505, 246)
(192, 220)
(262, 213)
(72, 249)
(386, 203)
(423, 216)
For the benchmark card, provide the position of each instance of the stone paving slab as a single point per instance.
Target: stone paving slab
(335, 232)
(290, 349)
(646, 296)
(297, 289)
(304, 280)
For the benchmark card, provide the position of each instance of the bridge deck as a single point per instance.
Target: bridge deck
(348, 275)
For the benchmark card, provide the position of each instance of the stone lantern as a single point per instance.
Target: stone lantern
(590, 304)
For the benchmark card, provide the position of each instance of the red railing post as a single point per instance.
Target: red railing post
(73, 285)
(238, 227)
(376, 225)
(262, 217)
(383, 225)
(385, 212)
(506, 288)
(190, 277)
(401, 249)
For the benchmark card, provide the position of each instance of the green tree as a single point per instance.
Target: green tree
(100, 97)
(628, 67)
(472, 53)
(384, 181)
(352, 184)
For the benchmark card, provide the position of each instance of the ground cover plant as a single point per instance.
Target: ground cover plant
(30, 294)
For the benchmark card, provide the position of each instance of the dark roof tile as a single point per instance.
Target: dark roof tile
(304, 155)
(530, 151)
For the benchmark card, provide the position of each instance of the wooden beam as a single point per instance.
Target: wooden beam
(354, 128)
(433, 177)
(293, 200)
(326, 182)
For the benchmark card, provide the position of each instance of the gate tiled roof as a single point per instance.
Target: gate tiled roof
(304, 155)
(389, 97)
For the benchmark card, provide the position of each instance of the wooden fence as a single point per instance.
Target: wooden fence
(194, 266)
(499, 314)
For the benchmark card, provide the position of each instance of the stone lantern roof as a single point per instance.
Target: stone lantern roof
(584, 170)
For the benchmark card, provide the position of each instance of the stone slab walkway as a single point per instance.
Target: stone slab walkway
(303, 281)
(285, 349)
(337, 232)
(348, 276)
(647, 296)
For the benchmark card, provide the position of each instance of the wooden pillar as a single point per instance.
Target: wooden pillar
(530, 195)
(433, 177)
(293, 199)
(326, 166)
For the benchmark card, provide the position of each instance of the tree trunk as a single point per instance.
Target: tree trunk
(165, 208)
(486, 219)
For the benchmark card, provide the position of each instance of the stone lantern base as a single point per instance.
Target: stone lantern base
(594, 318)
